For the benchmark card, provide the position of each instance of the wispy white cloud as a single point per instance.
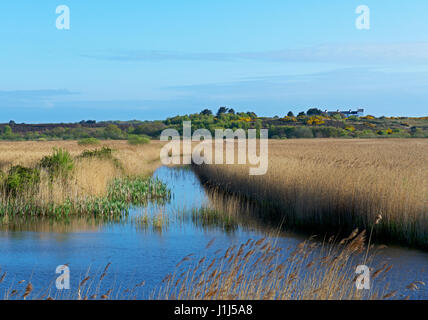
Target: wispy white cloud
(411, 52)
(363, 80)
(378, 91)
(31, 98)
(154, 55)
(31, 94)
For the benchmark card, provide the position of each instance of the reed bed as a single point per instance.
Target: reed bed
(92, 285)
(158, 220)
(137, 191)
(102, 181)
(335, 185)
(261, 270)
(137, 160)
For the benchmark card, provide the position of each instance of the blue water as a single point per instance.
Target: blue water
(143, 253)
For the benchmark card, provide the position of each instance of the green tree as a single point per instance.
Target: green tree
(152, 129)
(7, 130)
(221, 110)
(314, 112)
(112, 131)
(206, 112)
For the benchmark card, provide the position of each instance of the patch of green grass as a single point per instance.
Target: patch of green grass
(97, 207)
(137, 190)
(20, 179)
(88, 142)
(59, 164)
(102, 153)
(138, 140)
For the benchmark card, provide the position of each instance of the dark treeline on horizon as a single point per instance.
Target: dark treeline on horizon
(313, 123)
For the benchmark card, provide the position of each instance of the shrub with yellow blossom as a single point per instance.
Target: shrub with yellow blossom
(316, 120)
(289, 119)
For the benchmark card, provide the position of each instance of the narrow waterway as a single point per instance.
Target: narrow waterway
(141, 250)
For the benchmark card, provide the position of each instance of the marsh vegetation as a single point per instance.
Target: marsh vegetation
(337, 185)
(91, 182)
(259, 269)
(105, 197)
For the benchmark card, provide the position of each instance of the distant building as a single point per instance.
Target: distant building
(357, 113)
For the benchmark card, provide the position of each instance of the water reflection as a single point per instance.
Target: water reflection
(19, 225)
(147, 243)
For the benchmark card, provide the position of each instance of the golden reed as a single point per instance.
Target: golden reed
(336, 185)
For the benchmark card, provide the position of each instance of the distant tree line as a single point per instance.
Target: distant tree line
(313, 123)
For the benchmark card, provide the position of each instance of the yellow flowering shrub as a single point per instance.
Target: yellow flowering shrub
(289, 119)
(248, 119)
(317, 120)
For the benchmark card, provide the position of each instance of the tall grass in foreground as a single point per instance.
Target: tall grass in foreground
(261, 270)
(336, 185)
(258, 269)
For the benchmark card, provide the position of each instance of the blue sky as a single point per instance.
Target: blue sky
(154, 59)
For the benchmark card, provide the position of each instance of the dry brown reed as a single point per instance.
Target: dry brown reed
(90, 177)
(262, 270)
(258, 269)
(336, 185)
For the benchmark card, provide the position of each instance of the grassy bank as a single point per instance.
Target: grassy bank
(45, 180)
(335, 185)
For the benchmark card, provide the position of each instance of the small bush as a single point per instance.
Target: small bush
(301, 132)
(20, 179)
(418, 133)
(88, 142)
(365, 134)
(137, 140)
(60, 163)
(103, 153)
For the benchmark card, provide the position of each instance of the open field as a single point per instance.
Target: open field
(337, 185)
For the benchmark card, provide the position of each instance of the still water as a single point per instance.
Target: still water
(139, 252)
